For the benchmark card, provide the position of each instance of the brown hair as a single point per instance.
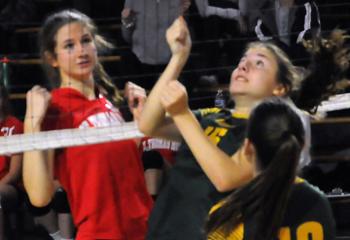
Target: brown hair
(47, 43)
(287, 74)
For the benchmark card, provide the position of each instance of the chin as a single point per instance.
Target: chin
(84, 74)
(237, 91)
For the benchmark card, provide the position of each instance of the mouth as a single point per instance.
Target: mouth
(85, 63)
(240, 78)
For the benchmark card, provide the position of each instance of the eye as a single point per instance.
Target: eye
(86, 40)
(69, 46)
(260, 63)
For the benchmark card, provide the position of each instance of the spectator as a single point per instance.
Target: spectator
(10, 165)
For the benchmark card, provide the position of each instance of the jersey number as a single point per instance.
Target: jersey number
(307, 231)
(215, 134)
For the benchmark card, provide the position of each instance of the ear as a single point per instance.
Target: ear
(50, 59)
(279, 91)
(249, 150)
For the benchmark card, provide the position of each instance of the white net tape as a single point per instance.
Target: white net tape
(67, 137)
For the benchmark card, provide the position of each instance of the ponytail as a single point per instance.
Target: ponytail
(106, 87)
(277, 134)
(264, 199)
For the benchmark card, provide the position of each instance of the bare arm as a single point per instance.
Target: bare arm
(224, 171)
(15, 170)
(153, 121)
(37, 165)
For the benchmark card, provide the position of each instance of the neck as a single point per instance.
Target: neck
(244, 105)
(86, 87)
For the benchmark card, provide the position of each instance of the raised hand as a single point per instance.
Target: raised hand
(178, 38)
(128, 18)
(174, 98)
(136, 97)
(38, 100)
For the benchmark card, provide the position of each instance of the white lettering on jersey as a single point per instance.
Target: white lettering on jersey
(155, 143)
(8, 131)
(103, 119)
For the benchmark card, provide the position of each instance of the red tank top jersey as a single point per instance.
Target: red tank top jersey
(104, 182)
(166, 148)
(8, 127)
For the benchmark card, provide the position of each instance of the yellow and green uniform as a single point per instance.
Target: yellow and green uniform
(308, 217)
(184, 202)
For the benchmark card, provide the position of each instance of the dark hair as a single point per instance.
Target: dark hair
(5, 108)
(47, 43)
(327, 72)
(325, 75)
(277, 134)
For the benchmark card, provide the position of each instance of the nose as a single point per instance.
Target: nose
(82, 49)
(243, 65)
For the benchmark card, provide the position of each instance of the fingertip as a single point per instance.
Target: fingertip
(35, 87)
(182, 20)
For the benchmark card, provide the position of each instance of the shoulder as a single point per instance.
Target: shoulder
(308, 189)
(12, 121)
(207, 111)
(308, 196)
(309, 205)
(64, 101)
(213, 112)
(62, 94)
(67, 100)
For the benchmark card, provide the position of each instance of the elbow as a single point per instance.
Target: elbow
(145, 128)
(222, 186)
(227, 183)
(39, 196)
(39, 201)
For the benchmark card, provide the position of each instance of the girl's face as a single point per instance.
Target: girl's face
(256, 75)
(75, 51)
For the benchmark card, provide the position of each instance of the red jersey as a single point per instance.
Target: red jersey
(104, 182)
(166, 148)
(8, 127)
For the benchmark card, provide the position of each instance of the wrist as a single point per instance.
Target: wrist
(179, 59)
(179, 116)
(31, 125)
